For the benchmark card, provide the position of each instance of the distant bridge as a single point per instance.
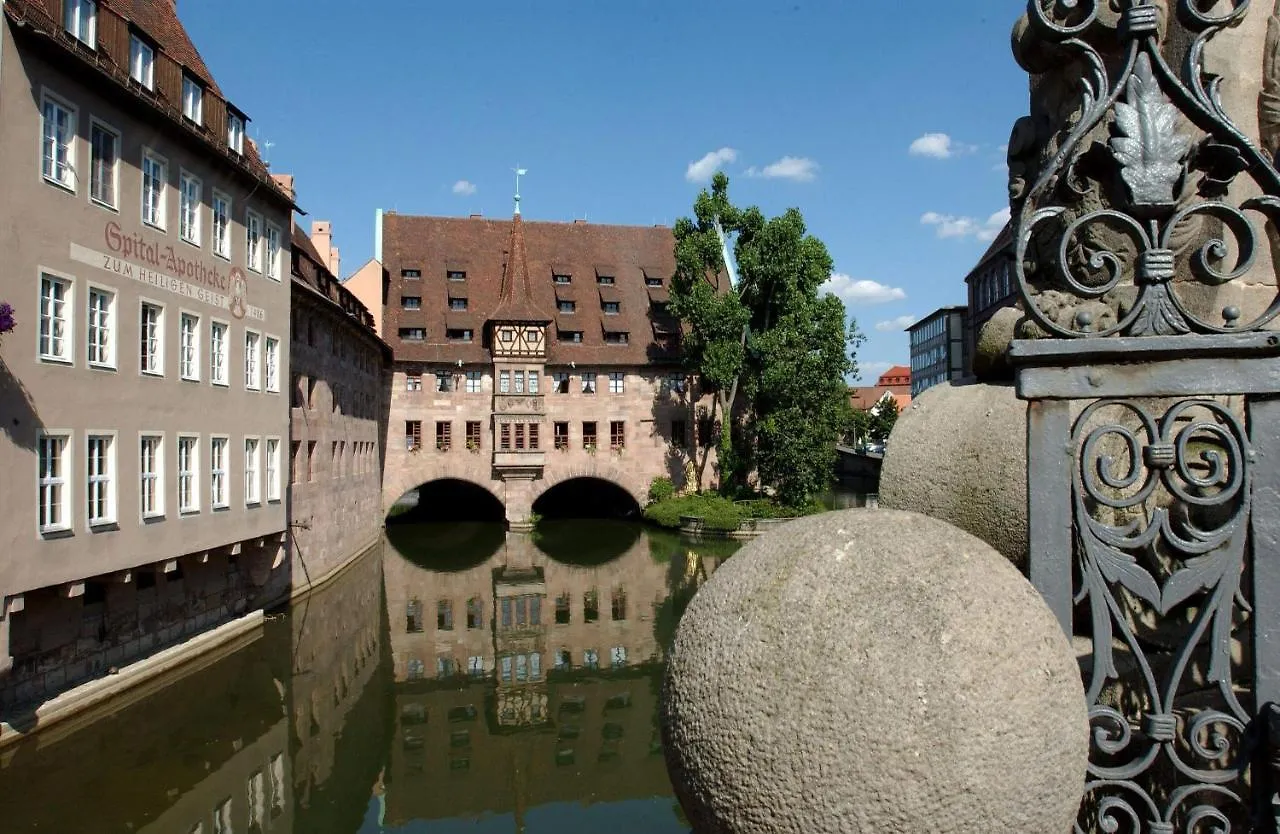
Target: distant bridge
(858, 469)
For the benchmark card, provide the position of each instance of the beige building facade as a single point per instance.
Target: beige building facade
(145, 389)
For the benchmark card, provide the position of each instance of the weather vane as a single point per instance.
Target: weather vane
(267, 145)
(520, 172)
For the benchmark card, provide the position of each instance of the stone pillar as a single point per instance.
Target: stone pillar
(518, 488)
(8, 607)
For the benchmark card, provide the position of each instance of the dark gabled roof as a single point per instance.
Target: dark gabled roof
(516, 301)
(309, 270)
(158, 19)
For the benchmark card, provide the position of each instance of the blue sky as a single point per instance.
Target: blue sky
(884, 123)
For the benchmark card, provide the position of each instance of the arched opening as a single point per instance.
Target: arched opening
(586, 498)
(447, 499)
(447, 525)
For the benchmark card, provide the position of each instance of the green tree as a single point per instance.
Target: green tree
(884, 415)
(774, 350)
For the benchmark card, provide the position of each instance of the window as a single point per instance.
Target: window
(610, 308)
(673, 383)
(571, 336)
(151, 339)
(604, 280)
(192, 100)
(273, 252)
(413, 616)
(411, 274)
(444, 435)
(153, 179)
(413, 334)
(618, 657)
(457, 304)
(443, 382)
(188, 465)
(679, 434)
(560, 382)
(413, 381)
(456, 275)
(150, 475)
(190, 194)
(54, 464)
(560, 435)
(218, 353)
(619, 604)
(54, 341)
(412, 434)
(564, 306)
(82, 20)
(505, 437)
(252, 378)
(589, 434)
(617, 434)
(473, 435)
(235, 132)
(100, 337)
(615, 338)
(588, 383)
(504, 382)
(475, 666)
(411, 302)
(142, 59)
(650, 281)
(252, 486)
(560, 278)
(533, 382)
(273, 470)
(253, 241)
(218, 472)
(475, 382)
(221, 225)
(100, 470)
(615, 382)
(273, 365)
(104, 156)
(590, 659)
(189, 347)
(58, 148)
(591, 606)
(444, 615)
(459, 335)
(519, 375)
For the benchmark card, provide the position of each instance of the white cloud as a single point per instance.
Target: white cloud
(796, 168)
(864, 291)
(702, 170)
(894, 325)
(464, 188)
(939, 146)
(950, 225)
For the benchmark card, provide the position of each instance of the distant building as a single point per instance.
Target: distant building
(992, 286)
(894, 383)
(939, 348)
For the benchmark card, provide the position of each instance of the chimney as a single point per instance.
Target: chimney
(322, 237)
(285, 181)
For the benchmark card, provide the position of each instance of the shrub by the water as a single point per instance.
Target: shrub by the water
(716, 512)
(661, 489)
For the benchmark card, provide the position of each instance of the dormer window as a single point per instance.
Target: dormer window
(456, 275)
(604, 280)
(457, 304)
(570, 336)
(235, 132)
(652, 282)
(142, 62)
(411, 274)
(192, 100)
(82, 21)
(561, 278)
(565, 306)
(615, 338)
(610, 308)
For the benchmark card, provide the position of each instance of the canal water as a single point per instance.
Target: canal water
(458, 678)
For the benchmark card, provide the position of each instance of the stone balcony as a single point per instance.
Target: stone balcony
(519, 404)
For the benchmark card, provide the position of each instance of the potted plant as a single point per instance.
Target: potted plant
(7, 322)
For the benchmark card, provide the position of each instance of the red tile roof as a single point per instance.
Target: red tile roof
(897, 375)
(516, 301)
(481, 248)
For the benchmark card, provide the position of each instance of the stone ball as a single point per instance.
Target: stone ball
(873, 671)
(959, 453)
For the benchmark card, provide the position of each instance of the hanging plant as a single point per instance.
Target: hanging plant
(7, 322)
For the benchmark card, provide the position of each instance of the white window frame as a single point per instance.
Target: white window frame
(617, 382)
(105, 480)
(158, 370)
(252, 471)
(220, 359)
(235, 132)
(65, 356)
(532, 386)
(96, 124)
(65, 460)
(271, 364)
(475, 382)
(252, 360)
(273, 251)
(80, 18)
(189, 352)
(62, 175)
(192, 99)
(110, 327)
(191, 474)
(156, 477)
(190, 206)
(142, 62)
(219, 486)
(159, 219)
(271, 468)
(253, 241)
(221, 236)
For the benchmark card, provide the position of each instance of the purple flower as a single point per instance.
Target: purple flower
(6, 317)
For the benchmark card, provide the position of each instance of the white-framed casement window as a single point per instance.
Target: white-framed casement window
(188, 474)
(154, 175)
(235, 132)
(100, 333)
(218, 491)
(252, 368)
(58, 148)
(81, 20)
(189, 347)
(221, 225)
(273, 252)
(475, 381)
(219, 333)
(54, 462)
(142, 62)
(54, 340)
(252, 483)
(272, 363)
(253, 241)
(192, 100)
(273, 468)
(533, 382)
(616, 382)
(104, 164)
(151, 339)
(190, 200)
(151, 475)
(100, 478)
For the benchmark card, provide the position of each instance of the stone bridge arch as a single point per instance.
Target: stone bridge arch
(635, 486)
(421, 468)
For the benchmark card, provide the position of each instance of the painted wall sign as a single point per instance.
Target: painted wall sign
(225, 290)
